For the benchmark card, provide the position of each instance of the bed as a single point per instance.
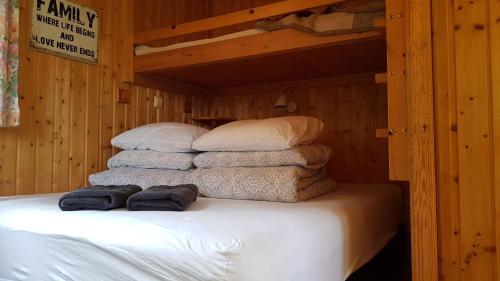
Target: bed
(322, 239)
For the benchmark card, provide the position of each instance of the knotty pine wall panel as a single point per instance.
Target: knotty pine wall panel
(69, 112)
(467, 109)
(351, 114)
(151, 14)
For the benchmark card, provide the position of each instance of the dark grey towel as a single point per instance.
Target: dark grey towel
(163, 198)
(101, 198)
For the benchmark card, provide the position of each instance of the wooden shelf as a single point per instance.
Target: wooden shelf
(272, 43)
(283, 55)
(210, 119)
(213, 122)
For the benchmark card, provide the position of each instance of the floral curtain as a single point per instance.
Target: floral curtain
(9, 62)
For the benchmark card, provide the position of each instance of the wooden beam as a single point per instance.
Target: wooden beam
(448, 177)
(379, 24)
(422, 151)
(353, 79)
(495, 111)
(244, 16)
(397, 96)
(382, 133)
(161, 83)
(276, 42)
(381, 78)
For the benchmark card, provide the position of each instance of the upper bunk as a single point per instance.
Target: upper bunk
(264, 55)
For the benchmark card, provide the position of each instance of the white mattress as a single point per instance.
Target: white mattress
(322, 239)
(144, 49)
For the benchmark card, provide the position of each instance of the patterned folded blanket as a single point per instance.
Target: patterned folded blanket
(281, 184)
(312, 156)
(325, 24)
(317, 189)
(149, 159)
(142, 177)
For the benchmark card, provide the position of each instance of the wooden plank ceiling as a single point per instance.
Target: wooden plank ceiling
(362, 57)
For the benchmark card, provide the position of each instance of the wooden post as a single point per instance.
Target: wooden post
(422, 153)
(397, 111)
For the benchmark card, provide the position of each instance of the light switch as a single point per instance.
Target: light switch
(157, 101)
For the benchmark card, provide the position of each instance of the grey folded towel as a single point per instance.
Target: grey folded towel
(101, 198)
(163, 198)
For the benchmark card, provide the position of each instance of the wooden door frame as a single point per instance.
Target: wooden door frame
(423, 189)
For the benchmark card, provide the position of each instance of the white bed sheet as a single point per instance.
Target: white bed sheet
(144, 49)
(321, 239)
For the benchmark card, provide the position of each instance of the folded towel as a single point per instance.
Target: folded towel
(163, 198)
(101, 198)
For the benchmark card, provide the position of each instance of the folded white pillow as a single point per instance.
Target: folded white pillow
(163, 137)
(261, 135)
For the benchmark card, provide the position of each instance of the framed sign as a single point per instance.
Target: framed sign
(64, 28)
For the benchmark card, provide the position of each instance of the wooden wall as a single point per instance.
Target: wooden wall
(467, 99)
(150, 14)
(70, 113)
(68, 109)
(352, 110)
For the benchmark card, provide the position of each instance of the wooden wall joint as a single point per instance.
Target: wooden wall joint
(123, 96)
(424, 237)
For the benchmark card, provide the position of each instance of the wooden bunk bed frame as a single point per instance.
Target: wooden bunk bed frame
(408, 77)
(269, 44)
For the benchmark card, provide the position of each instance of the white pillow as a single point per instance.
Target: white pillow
(261, 135)
(163, 137)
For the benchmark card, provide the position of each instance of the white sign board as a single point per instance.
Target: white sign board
(65, 28)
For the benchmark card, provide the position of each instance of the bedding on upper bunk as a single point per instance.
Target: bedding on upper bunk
(324, 239)
(325, 24)
(149, 159)
(349, 17)
(313, 156)
(144, 49)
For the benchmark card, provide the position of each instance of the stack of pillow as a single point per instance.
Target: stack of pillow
(155, 154)
(269, 159)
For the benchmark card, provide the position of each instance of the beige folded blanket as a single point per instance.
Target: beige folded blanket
(144, 178)
(281, 184)
(312, 156)
(149, 159)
